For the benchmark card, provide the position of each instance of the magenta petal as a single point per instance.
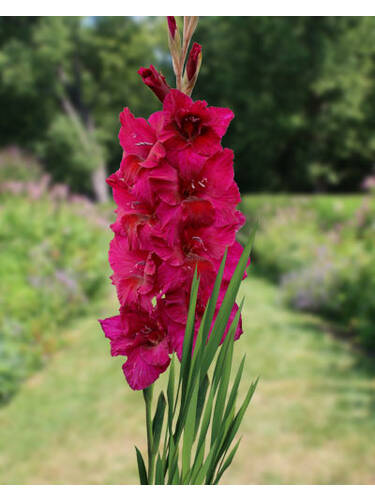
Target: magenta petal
(113, 330)
(171, 277)
(157, 152)
(131, 276)
(156, 120)
(207, 144)
(140, 374)
(175, 101)
(190, 164)
(198, 212)
(136, 136)
(173, 141)
(218, 170)
(176, 332)
(176, 306)
(157, 355)
(220, 119)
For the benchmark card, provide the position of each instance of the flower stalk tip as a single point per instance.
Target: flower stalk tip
(174, 42)
(179, 52)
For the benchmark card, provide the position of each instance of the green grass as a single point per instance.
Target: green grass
(312, 419)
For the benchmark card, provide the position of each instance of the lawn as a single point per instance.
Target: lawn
(312, 419)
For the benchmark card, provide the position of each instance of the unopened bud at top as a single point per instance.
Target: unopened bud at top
(174, 42)
(172, 26)
(156, 81)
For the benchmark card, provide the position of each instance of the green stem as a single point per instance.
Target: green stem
(147, 395)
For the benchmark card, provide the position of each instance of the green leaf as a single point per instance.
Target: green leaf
(227, 349)
(187, 357)
(172, 461)
(201, 400)
(197, 464)
(157, 423)
(227, 462)
(233, 428)
(221, 360)
(201, 473)
(189, 429)
(159, 473)
(141, 467)
(170, 393)
(203, 431)
(189, 333)
(234, 391)
(229, 429)
(211, 305)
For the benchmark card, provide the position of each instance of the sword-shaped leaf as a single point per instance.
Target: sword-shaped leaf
(157, 423)
(141, 467)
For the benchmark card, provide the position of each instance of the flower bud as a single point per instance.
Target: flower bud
(172, 26)
(155, 80)
(194, 61)
(192, 68)
(174, 42)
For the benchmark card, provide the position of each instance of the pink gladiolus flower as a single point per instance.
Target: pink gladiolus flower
(192, 125)
(176, 212)
(142, 337)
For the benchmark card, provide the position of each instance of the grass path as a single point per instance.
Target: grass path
(312, 419)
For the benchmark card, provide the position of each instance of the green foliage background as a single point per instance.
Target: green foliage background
(302, 89)
(52, 268)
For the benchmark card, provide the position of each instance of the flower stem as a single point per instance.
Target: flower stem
(147, 395)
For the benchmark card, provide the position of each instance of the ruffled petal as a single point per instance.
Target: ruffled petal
(113, 330)
(157, 355)
(220, 119)
(136, 135)
(140, 374)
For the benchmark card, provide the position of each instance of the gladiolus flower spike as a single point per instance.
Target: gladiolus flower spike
(177, 268)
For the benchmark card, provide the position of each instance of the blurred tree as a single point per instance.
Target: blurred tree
(301, 89)
(64, 81)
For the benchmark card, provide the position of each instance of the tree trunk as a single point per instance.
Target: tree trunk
(99, 185)
(84, 126)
